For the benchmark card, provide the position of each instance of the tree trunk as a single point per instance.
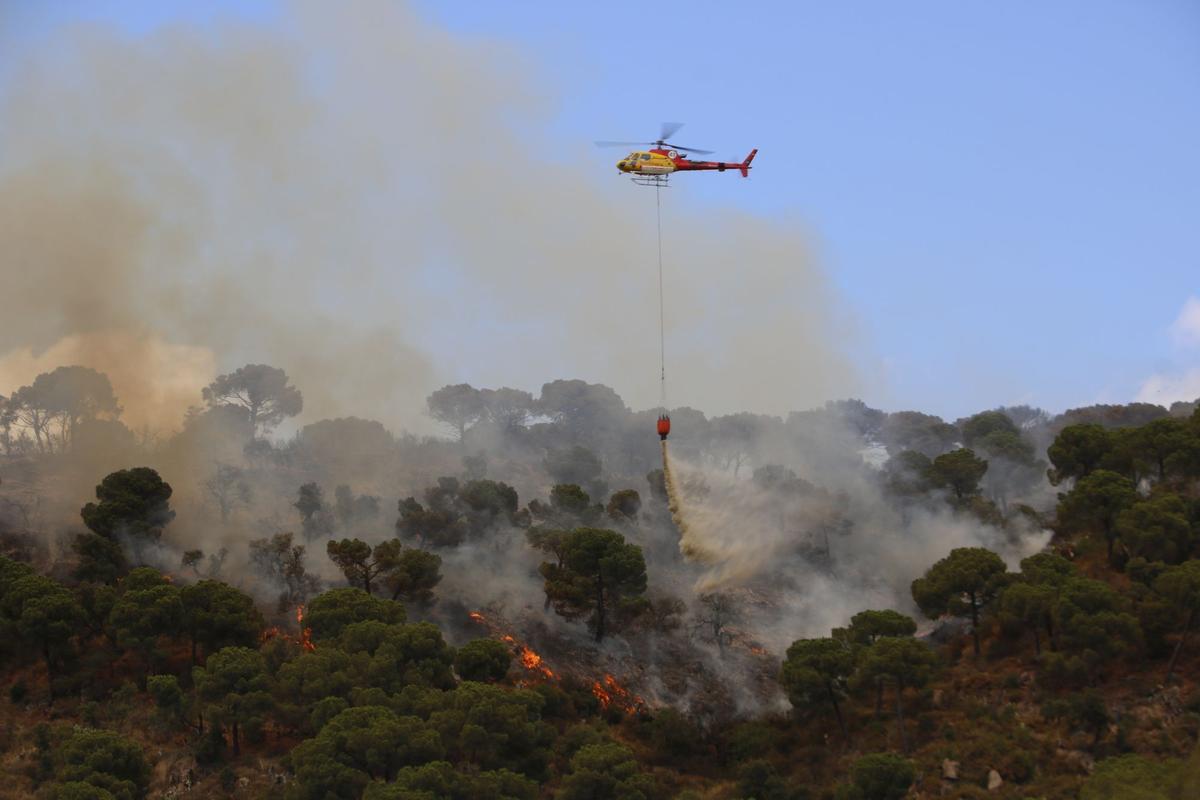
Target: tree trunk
(837, 710)
(1037, 641)
(37, 434)
(237, 743)
(194, 648)
(1051, 633)
(1179, 645)
(878, 697)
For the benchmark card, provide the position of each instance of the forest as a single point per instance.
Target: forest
(873, 605)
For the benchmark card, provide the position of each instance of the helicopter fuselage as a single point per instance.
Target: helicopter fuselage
(664, 162)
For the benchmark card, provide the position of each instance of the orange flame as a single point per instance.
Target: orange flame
(611, 692)
(305, 633)
(533, 662)
(529, 658)
(304, 639)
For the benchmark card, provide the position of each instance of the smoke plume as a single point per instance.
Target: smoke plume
(821, 554)
(364, 200)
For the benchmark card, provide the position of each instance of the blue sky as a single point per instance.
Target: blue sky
(1006, 195)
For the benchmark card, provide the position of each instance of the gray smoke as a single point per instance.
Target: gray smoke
(364, 200)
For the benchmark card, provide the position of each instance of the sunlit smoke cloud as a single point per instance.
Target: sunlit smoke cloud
(155, 380)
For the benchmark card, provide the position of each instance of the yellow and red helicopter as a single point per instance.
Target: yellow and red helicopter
(654, 167)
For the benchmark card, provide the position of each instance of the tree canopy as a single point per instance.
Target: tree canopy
(330, 612)
(133, 503)
(216, 615)
(1096, 501)
(265, 392)
(969, 572)
(1180, 586)
(959, 471)
(817, 671)
(600, 574)
(104, 760)
(482, 660)
(235, 686)
(57, 405)
(458, 407)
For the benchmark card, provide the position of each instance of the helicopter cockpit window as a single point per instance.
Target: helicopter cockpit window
(645, 156)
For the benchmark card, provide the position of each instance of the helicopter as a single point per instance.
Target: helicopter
(654, 167)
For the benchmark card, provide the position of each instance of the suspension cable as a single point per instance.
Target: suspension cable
(662, 339)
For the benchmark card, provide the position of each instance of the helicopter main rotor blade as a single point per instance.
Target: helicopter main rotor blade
(669, 129)
(660, 143)
(690, 149)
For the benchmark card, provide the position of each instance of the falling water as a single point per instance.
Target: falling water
(688, 545)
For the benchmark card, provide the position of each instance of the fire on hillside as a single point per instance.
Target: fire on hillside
(303, 638)
(608, 690)
(612, 694)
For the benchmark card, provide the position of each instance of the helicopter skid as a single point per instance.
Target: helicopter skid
(651, 180)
